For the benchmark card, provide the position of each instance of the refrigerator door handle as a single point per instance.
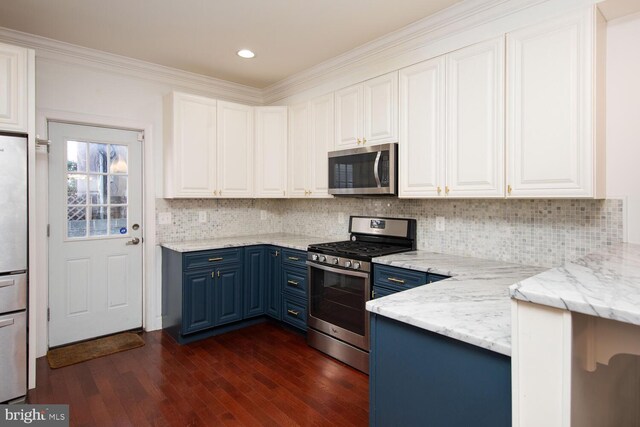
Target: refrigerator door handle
(5, 283)
(6, 322)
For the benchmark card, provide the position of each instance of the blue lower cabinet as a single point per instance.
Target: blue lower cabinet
(420, 378)
(255, 281)
(197, 310)
(379, 292)
(294, 281)
(273, 286)
(294, 311)
(228, 294)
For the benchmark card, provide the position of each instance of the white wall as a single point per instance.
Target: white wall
(623, 117)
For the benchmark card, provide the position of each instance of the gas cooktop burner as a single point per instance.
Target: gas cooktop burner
(363, 249)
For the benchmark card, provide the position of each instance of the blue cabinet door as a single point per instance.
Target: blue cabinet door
(228, 294)
(273, 287)
(255, 278)
(197, 298)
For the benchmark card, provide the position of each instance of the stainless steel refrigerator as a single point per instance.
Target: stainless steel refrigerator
(13, 267)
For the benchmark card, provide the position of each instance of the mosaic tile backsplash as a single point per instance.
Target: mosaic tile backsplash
(534, 232)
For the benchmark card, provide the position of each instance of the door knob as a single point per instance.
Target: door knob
(133, 241)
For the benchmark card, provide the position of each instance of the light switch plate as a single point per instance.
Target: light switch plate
(439, 223)
(202, 216)
(164, 218)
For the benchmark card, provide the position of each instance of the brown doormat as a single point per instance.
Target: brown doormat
(87, 350)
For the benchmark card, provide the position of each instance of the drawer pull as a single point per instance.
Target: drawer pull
(6, 283)
(293, 312)
(6, 322)
(293, 258)
(293, 282)
(393, 279)
(215, 259)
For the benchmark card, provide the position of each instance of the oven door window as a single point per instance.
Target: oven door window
(357, 171)
(338, 299)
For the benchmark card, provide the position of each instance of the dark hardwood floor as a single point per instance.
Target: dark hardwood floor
(261, 375)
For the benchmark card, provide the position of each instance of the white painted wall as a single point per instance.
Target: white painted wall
(623, 118)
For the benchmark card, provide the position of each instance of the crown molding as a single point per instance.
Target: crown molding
(57, 51)
(449, 23)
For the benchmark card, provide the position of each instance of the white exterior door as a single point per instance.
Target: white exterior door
(271, 152)
(298, 149)
(550, 92)
(349, 120)
(475, 120)
(235, 150)
(422, 129)
(13, 84)
(381, 109)
(322, 134)
(95, 214)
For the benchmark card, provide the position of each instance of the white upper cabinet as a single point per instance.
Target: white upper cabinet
(553, 115)
(189, 146)
(271, 152)
(13, 88)
(452, 124)
(422, 129)
(311, 133)
(367, 113)
(475, 121)
(322, 134)
(235, 150)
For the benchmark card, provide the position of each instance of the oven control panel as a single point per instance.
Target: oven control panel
(337, 261)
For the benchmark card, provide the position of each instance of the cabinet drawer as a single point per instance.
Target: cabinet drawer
(379, 292)
(13, 292)
(212, 259)
(294, 312)
(397, 278)
(294, 257)
(294, 282)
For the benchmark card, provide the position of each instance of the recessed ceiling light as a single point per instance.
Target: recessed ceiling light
(246, 53)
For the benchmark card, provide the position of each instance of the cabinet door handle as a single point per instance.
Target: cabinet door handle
(373, 294)
(293, 282)
(215, 192)
(293, 312)
(359, 142)
(364, 141)
(9, 322)
(509, 189)
(293, 258)
(439, 190)
(5, 283)
(218, 273)
(213, 274)
(393, 279)
(215, 259)
(446, 190)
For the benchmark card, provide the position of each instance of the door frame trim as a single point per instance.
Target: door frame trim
(151, 316)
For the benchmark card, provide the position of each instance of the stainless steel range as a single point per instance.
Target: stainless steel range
(339, 276)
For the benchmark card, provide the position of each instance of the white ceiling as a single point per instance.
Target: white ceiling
(202, 36)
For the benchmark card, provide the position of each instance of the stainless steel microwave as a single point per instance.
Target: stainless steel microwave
(364, 171)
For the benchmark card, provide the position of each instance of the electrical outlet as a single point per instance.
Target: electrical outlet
(164, 218)
(340, 217)
(439, 223)
(202, 216)
(263, 215)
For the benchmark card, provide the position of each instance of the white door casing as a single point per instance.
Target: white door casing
(422, 129)
(235, 150)
(475, 120)
(95, 196)
(271, 152)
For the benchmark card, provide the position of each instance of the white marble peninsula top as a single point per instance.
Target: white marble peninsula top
(472, 306)
(285, 240)
(603, 284)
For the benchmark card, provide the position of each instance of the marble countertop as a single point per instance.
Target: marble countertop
(293, 241)
(604, 284)
(472, 306)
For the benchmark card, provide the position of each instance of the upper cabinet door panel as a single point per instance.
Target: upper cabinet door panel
(322, 141)
(475, 130)
(271, 151)
(299, 149)
(549, 124)
(381, 109)
(13, 88)
(348, 117)
(422, 129)
(235, 150)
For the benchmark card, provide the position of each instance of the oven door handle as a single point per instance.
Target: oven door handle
(376, 166)
(338, 270)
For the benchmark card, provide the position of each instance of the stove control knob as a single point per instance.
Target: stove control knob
(314, 257)
(335, 261)
(347, 264)
(323, 258)
(356, 265)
